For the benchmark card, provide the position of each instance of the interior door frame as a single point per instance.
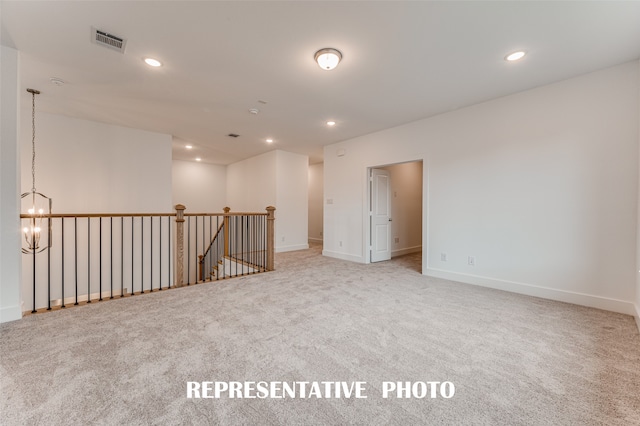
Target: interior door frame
(366, 231)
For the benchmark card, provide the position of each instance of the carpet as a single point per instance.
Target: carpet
(513, 359)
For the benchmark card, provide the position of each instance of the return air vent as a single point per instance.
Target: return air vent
(233, 135)
(108, 40)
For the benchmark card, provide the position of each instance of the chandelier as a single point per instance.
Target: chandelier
(36, 222)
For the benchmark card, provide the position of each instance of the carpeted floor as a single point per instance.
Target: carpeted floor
(514, 360)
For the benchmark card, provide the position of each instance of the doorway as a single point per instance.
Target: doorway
(395, 210)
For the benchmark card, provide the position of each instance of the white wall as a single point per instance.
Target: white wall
(10, 256)
(316, 193)
(541, 187)
(292, 201)
(279, 179)
(251, 183)
(637, 313)
(90, 167)
(202, 188)
(406, 207)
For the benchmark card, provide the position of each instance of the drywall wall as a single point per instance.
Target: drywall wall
(201, 187)
(316, 188)
(90, 167)
(279, 179)
(292, 201)
(406, 207)
(251, 183)
(540, 187)
(10, 256)
(637, 313)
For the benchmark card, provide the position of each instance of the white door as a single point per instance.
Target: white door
(380, 215)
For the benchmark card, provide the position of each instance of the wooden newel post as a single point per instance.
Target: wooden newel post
(271, 237)
(179, 245)
(226, 230)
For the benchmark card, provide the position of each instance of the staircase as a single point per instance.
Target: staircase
(239, 247)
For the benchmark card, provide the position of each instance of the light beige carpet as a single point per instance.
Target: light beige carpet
(514, 360)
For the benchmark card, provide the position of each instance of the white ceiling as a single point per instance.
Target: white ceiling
(403, 61)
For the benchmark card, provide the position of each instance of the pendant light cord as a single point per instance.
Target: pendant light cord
(33, 141)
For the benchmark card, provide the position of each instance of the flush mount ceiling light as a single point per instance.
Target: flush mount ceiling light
(328, 58)
(198, 159)
(152, 62)
(515, 56)
(269, 140)
(188, 146)
(331, 123)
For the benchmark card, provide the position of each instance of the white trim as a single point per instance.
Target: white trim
(637, 316)
(94, 296)
(315, 240)
(582, 299)
(408, 250)
(10, 313)
(343, 256)
(292, 248)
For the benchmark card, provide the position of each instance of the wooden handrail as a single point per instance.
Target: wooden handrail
(227, 214)
(66, 215)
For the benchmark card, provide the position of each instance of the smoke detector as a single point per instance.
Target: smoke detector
(254, 110)
(103, 38)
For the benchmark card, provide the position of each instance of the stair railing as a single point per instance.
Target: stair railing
(100, 256)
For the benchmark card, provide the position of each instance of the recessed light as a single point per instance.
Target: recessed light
(188, 146)
(152, 62)
(269, 140)
(515, 56)
(331, 123)
(198, 159)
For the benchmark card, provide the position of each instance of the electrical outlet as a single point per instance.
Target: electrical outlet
(340, 243)
(472, 261)
(283, 239)
(321, 233)
(397, 240)
(443, 257)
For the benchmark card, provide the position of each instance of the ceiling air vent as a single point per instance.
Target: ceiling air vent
(108, 40)
(233, 135)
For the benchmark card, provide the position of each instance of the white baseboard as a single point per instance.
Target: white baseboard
(582, 299)
(637, 316)
(408, 250)
(343, 256)
(83, 297)
(10, 313)
(283, 249)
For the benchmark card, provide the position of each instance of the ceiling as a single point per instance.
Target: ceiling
(402, 61)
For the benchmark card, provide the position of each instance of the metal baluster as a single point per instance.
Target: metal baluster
(169, 249)
(75, 237)
(132, 244)
(88, 259)
(160, 250)
(188, 250)
(100, 263)
(62, 248)
(121, 256)
(151, 279)
(50, 235)
(141, 254)
(111, 249)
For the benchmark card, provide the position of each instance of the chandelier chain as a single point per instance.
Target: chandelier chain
(33, 141)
